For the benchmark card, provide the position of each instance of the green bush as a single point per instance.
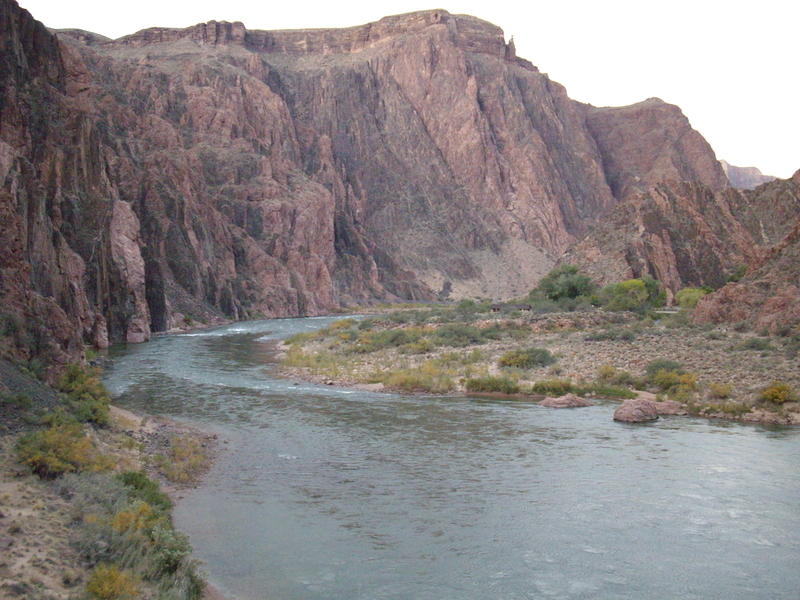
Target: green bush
(565, 281)
(88, 398)
(527, 359)
(720, 391)
(687, 298)
(632, 295)
(602, 390)
(663, 364)
(141, 487)
(504, 385)
(428, 377)
(553, 387)
(778, 392)
(458, 335)
(610, 375)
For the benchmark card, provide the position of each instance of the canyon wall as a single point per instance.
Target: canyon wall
(216, 172)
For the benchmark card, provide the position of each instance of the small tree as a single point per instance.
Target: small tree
(565, 281)
(687, 298)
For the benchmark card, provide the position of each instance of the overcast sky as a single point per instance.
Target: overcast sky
(731, 66)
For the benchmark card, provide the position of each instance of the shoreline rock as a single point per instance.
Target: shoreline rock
(636, 411)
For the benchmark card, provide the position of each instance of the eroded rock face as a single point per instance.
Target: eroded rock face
(636, 411)
(217, 172)
(687, 234)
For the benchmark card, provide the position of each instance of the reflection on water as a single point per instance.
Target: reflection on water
(326, 493)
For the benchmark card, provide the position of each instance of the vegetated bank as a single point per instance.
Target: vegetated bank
(566, 336)
(83, 507)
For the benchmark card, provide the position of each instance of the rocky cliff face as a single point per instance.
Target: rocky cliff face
(744, 178)
(687, 234)
(220, 172)
(768, 297)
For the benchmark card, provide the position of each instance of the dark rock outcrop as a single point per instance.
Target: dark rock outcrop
(217, 172)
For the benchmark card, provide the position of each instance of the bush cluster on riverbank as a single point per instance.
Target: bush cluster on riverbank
(611, 352)
(121, 520)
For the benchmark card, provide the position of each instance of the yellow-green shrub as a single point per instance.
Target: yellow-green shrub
(88, 397)
(720, 391)
(60, 449)
(185, 460)
(778, 392)
(108, 582)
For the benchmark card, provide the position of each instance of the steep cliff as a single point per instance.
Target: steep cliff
(768, 297)
(687, 234)
(215, 171)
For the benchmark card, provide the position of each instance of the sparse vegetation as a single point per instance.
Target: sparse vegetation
(87, 398)
(185, 460)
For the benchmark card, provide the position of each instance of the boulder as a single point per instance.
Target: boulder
(565, 401)
(636, 411)
(670, 407)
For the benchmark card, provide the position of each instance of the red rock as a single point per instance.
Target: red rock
(636, 411)
(286, 173)
(670, 407)
(566, 401)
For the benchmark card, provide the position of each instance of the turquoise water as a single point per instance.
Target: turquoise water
(328, 493)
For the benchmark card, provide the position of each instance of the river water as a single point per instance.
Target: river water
(328, 493)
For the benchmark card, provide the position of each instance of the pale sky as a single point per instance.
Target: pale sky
(731, 66)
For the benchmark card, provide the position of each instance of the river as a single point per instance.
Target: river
(340, 494)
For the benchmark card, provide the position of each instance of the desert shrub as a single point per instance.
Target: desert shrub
(135, 517)
(427, 378)
(372, 341)
(140, 487)
(504, 385)
(366, 324)
(455, 334)
(88, 398)
(421, 346)
(186, 458)
(610, 375)
(59, 449)
(528, 358)
(565, 281)
(754, 343)
(621, 335)
(108, 582)
(663, 364)
(553, 387)
(672, 380)
(22, 401)
(171, 548)
(341, 324)
(737, 273)
(778, 392)
(720, 391)
(303, 337)
(792, 347)
(688, 297)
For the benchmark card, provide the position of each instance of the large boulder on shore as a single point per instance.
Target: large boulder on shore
(670, 407)
(636, 411)
(565, 401)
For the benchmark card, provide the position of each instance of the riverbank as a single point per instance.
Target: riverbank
(47, 530)
(715, 372)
